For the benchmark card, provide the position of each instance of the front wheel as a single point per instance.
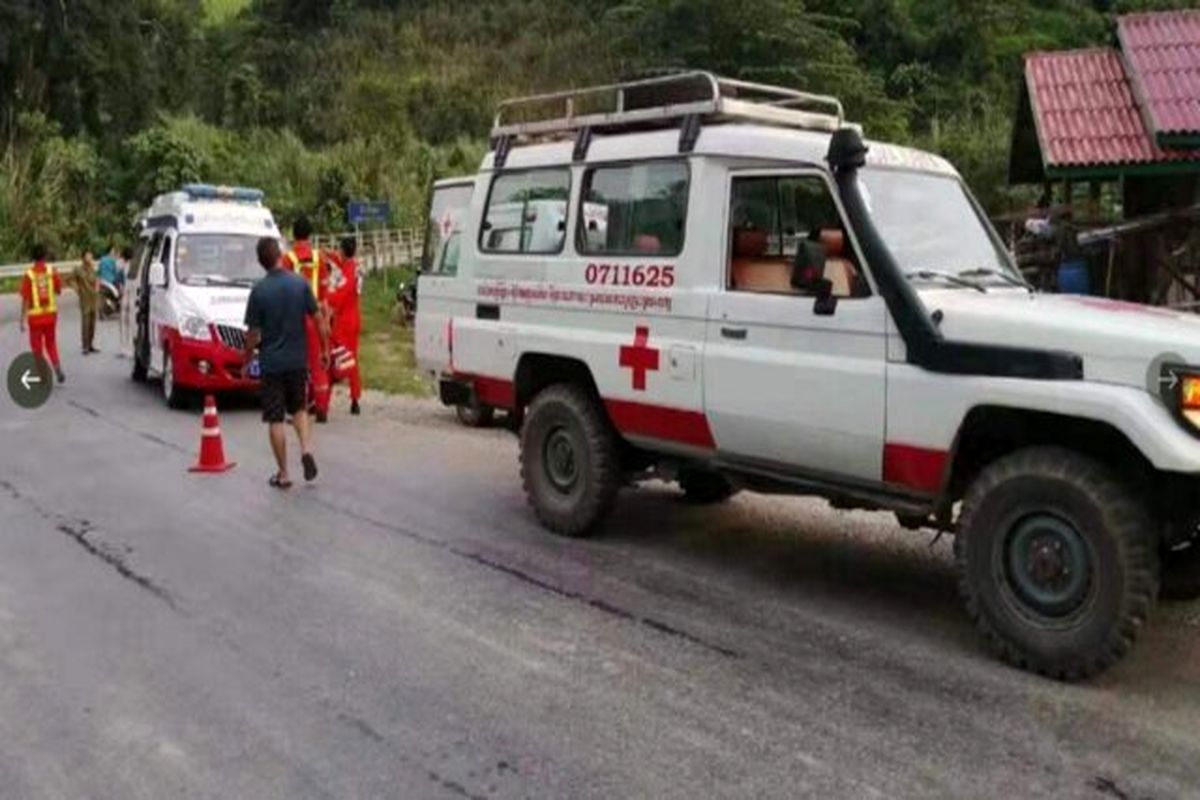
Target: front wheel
(570, 462)
(174, 396)
(1057, 562)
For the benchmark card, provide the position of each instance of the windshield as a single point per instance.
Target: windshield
(930, 225)
(217, 259)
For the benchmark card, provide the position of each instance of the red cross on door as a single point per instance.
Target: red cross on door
(640, 358)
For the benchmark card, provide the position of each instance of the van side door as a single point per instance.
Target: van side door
(794, 385)
(162, 315)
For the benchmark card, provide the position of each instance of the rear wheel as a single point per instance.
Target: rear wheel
(1057, 562)
(570, 464)
(474, 414)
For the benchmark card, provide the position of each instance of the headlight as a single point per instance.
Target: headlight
(195, 328)
(1189, 399)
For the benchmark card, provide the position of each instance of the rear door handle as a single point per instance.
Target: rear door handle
(489, 312)
(734, 333)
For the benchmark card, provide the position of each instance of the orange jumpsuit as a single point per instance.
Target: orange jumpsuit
(345, 290)
(40, 289)
(313, 267)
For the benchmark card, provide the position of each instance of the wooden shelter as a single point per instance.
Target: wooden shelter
(1124, 122)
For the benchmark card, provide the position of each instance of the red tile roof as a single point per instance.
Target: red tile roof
(1163, 51)
(1085, 110)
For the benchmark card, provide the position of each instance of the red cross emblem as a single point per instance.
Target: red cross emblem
(640, 358)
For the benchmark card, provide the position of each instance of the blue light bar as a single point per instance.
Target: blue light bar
(204, 191)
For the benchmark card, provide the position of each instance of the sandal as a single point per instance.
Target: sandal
(310, 467)
(279, 483)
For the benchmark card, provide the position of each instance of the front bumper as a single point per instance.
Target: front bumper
(209, 366)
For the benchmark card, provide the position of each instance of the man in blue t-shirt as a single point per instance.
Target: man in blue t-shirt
(109, 269)
(276, 313)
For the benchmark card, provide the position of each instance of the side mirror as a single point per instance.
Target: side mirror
(826, 304)
(158, 275)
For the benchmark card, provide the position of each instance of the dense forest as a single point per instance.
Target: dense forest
(104, 103)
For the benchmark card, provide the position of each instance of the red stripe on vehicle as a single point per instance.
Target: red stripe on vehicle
(657, 422)
(914, 467)
(496, 392)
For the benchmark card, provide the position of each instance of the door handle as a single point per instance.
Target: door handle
(488, 312)
(738, 334)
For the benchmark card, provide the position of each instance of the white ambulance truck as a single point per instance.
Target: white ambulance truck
(189, 281)
(777, 305)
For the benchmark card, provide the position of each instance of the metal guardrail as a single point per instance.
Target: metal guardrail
(376, 250)
(17, 270)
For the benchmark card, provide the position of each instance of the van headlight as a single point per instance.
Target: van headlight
(1181, 391)
(195, 328)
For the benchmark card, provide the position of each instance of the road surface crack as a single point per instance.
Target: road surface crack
(150, 437)
(80, 532)
(533, 580)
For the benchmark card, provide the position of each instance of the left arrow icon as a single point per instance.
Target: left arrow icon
(29, 381)
(29, 378)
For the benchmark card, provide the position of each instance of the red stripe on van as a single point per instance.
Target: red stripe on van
(914, 467)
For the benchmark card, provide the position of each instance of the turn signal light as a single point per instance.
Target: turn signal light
(1191, 393)
(1190, 400)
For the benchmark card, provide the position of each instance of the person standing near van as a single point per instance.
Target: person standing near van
(307, 262)
(86, 282)
(280, 310)
(345, 291)
(39, 308)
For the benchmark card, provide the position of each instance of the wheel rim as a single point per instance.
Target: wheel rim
(561, 460)
(168, 380)
(1048, 566)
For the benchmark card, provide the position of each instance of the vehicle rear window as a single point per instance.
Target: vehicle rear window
(527, 212)
(443, 239)
(634, 209)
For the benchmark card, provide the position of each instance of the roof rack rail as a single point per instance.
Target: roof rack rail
(662, 102)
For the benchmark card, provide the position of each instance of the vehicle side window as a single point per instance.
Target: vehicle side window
(527, 212)
(443, 237)
(634, 209)
(787, 236)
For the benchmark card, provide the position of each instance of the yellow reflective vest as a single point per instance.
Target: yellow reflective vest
(314, 267)
(39, 305)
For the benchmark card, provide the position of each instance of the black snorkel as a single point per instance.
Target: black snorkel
(926, 346)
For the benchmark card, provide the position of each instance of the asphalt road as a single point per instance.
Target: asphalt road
(403, 629)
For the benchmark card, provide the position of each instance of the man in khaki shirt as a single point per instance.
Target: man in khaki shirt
(87, 287)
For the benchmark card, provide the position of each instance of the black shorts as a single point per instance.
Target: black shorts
(283, 394)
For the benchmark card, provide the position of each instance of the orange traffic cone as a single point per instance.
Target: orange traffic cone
(212, 451)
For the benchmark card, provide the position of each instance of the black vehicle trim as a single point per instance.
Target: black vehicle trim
(927, 348)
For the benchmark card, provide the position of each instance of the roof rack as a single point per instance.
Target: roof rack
(662, 102)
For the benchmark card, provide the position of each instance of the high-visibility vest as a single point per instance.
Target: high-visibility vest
(314, 265)
(39, 306)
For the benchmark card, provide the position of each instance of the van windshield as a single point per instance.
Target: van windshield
(217, 259)
(931, 226)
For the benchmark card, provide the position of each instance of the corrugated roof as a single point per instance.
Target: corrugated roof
(1163, 51)
(1085, 110)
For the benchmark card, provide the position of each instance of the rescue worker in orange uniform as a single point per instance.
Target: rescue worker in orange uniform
(345, 290)
(40, 289)
(311, 264)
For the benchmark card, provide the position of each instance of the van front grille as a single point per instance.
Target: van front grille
(231, 336)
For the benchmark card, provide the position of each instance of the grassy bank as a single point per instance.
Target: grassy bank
(386, 349)
(9, 285)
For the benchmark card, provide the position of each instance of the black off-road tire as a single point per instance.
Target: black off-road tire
(1111, 526)
(1181, 572)
(568, 414)
(474, 414)
(704, 487)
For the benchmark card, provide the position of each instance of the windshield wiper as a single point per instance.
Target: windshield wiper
(987, 272)
(949, 277)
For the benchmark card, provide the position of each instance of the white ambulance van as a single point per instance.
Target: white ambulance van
(189, 281)
(770, 302)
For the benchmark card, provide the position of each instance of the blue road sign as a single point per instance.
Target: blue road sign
(360, 212)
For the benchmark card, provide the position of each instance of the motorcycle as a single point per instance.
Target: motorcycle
(110, 300)
(406, 302)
